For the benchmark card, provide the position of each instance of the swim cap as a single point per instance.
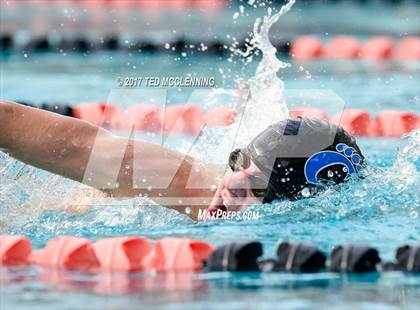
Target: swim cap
(298, 156)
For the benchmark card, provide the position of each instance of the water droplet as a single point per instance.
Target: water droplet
(360, 194)
(283, 180)
(414, 214)
(187, 210)
(330, 174)
(384, 207)
(306, 192)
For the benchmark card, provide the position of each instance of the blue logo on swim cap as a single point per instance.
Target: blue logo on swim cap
(345, 155)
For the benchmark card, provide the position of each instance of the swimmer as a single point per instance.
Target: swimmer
(291, 159)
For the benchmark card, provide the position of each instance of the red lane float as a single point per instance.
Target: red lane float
(181, 4)
(309, 112)
(101, 114)
(219, 117)
(346, 47)
(164, 4)
(119, 254)
(180, 254)
(354, 121)
(395, 123)
(183, 119)
(377, 48)
(71, 253)
(212, 5)
(342, 47)
(409, 48)
(122, 253)
(14, 250)
(189, 119)
(306, 48)
(143, 117)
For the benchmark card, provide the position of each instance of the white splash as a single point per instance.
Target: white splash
(259, 100)
(25, 192)
(404, 171)
(265, 104)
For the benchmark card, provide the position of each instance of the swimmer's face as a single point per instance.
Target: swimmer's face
(239, 189)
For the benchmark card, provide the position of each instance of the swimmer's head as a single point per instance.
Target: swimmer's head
(291, 159)
(298, 156)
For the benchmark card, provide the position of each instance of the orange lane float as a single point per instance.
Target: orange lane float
(183, 119)
(70, 253)
(355, 121)
(162, 4)
(342, 47)
(395, 123)
(189, 119)
(219, 117)
(181, 4)
(122, 254)
(377, 48)
(306, 48)
(118, 254)
(210, 5)
(143, 117)
(14, 250)
(101, 114)
(408, 48)
(309, 112)
(177, 254)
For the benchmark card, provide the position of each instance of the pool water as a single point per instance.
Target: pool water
(381, 210)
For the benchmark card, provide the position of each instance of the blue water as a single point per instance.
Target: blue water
(381, 210)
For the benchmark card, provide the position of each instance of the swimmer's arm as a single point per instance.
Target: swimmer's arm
(63, 145)
(46, 140)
